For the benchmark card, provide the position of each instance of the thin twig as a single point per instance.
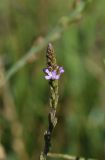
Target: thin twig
(65, 156)
(62, 25)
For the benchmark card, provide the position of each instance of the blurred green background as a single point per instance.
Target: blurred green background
(24, 101)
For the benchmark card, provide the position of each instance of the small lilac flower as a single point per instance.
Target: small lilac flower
(61, 70)
(55, 74)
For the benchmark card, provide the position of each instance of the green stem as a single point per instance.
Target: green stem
(68, 157)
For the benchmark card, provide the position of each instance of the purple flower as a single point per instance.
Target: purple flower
(55, 74)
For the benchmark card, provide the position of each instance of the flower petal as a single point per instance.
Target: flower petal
(61, 69)
(47, 71)
(53, 74)
(57, 76)
(47, 77)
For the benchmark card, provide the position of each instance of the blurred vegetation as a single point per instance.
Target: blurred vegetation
(24, 101)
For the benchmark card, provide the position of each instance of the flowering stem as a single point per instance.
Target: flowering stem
(52, 120)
